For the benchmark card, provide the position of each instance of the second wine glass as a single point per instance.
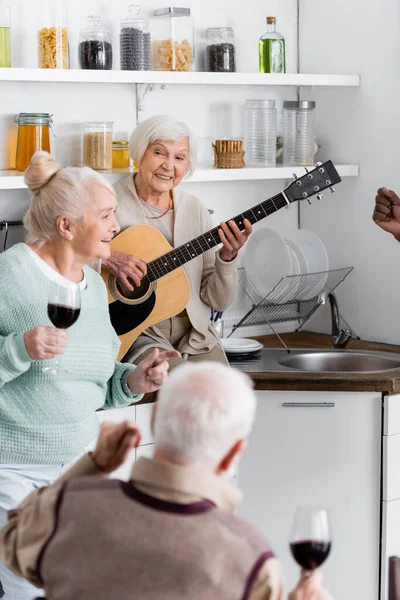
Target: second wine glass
(310, 539)
(63, 309)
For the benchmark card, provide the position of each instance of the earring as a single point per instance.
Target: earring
(70, 236)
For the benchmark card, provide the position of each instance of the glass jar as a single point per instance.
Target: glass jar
(97, 144)
(95, 49)
(33, 135)
(260, 133)
(121, 157)
(5, 35)
(135, 41)
(173, 39)
(220, 50)
(298, 132)
(271, 49)
(53, 48)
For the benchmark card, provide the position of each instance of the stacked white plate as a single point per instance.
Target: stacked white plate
(240, 346)
(269, 257)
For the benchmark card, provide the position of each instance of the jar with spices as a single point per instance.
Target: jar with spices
(173, 39)
(53, 48)
(95, 49)
(97, 144)
(120, 155)
(33, 135)
(135, 42)
(220, 50)
(5, 35)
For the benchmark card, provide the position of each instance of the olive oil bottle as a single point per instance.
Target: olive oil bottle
(271, 49)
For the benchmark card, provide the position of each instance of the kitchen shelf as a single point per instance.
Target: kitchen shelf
(167, 77)
(14, 180)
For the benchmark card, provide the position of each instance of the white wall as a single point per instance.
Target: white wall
(358, 126)
(211, 112)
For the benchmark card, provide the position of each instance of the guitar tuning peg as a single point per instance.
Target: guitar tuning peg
(318, 164)
(309, 200)
(332, 189)
(306, 170)
(294, 176)
(320, 196)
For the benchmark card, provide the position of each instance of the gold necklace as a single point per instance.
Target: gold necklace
(164, 213)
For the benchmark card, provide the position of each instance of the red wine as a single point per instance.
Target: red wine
(62, 316)
(310, 554)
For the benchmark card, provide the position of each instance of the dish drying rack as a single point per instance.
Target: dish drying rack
(294, 298)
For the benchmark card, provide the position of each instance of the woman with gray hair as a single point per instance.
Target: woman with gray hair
(48, 418)
(164, 150)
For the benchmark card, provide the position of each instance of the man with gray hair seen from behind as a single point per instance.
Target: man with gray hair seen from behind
(170, 531)
(167, 533)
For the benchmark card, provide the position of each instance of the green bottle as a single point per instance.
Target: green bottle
(271, 49)
(5, 38)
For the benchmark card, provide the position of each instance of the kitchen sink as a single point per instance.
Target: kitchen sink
(340, 362)
(318, 361)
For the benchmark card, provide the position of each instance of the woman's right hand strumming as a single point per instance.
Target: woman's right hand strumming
(126, 265)
(45, 343)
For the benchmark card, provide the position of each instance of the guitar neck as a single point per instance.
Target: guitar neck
(190, 250)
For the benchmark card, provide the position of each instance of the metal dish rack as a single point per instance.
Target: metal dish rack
(294, 298)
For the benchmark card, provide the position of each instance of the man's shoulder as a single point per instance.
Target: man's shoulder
(88, 483)
(245, 531)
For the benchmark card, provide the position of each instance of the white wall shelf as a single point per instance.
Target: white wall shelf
(167, 77)
(13, 180)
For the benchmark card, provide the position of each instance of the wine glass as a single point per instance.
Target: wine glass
(63, 309)
(310, 539)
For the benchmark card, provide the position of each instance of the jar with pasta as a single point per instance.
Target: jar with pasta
(172, 39)
(53, 45)
(97, 144)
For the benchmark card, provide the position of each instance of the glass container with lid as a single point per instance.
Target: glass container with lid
(298, 132)
(33, 135)
(97, 144)
(120, 155)
(173, 39)
(135, 42)
(95, 48)
(5, 35)
(53, 48)
(260, 133)
(271, 50)
(220, 50)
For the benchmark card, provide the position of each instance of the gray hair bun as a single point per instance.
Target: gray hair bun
(41, 170)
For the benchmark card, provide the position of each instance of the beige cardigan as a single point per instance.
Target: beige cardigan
(213, 282)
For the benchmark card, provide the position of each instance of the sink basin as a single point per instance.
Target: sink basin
(339, 362)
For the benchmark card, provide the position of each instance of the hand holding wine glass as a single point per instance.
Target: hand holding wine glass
(63, 309)
(310, 544)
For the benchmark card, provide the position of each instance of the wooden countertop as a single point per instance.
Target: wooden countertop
(386, 381)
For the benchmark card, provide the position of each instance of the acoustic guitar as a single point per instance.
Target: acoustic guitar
(165, 290)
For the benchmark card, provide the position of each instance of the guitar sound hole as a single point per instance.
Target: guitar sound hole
(138, 292)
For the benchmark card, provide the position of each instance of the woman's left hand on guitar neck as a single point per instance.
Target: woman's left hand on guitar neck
(233, 239)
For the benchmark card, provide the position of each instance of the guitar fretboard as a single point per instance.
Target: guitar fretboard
(179, 256)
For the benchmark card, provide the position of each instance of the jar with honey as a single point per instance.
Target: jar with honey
(33, 135)
(120, 155)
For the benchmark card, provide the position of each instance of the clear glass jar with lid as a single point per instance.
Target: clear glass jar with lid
(260, 133)
(95, 48)
(220, 50)
(121, 157)
(5, 35)
(33, 135)
(53, 48)
(135, 41)
(97, 144)
(173, 39)
(298, 132)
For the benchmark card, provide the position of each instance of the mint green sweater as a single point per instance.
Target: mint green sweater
(44, 418)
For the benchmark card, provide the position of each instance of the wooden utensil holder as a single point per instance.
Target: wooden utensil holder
(228, 154)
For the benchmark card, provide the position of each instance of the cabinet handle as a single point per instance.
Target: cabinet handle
(308, 404)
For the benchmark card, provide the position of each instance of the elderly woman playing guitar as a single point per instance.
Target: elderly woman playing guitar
(180, 317)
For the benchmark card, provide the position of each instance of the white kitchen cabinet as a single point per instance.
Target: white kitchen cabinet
(323, 450)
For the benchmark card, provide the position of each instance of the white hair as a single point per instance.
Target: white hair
(202, 411)
(161, 127)
(56, 191)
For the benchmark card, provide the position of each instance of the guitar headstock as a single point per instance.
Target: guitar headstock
(315, 181)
